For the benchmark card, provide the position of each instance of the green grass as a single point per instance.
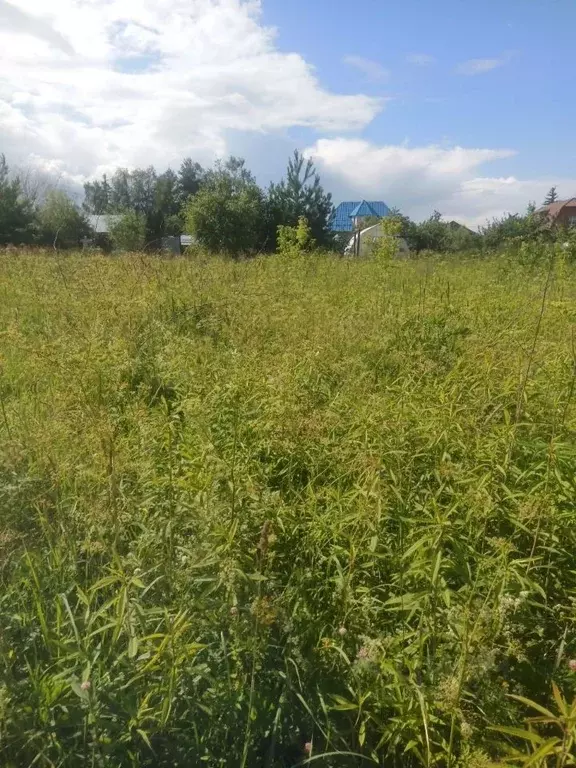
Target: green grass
(253, 513)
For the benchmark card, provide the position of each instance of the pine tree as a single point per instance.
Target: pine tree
(551, 197)
(301, 194)
(16, 211)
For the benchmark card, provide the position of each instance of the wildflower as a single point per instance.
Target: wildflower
(308, 747)
(342, 631)
(85, 686)
(572, 665)
(466, 730)
(234, 611)
(264, 538)
(363, 654)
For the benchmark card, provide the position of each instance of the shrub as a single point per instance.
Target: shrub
(129, 232)
(293, 241)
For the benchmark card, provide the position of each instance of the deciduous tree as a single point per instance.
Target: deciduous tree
(62, 224)
(227, 214)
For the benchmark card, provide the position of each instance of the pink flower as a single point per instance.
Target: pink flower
(85, 686)
(308, 747)
(572, 665)
(342, 631)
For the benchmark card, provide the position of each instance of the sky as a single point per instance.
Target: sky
(466, 108)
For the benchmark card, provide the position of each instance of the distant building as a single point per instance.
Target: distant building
(349, 216)
(562, 212)
(363, 242)
(101, 223)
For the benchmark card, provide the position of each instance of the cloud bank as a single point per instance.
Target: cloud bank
(86, 85)
(420, 179)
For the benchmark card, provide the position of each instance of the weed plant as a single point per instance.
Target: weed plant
(286, 511)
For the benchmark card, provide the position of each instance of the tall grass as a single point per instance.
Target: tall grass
(284, 511)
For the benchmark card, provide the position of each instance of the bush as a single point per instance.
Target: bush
(293, 241)
(62, 224)
(129, 232)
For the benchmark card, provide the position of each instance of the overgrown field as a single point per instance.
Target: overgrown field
(254, 513)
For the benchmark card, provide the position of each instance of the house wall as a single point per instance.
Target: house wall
(567, 216)
(368, 239)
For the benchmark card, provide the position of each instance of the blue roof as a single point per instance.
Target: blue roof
(364, 209)
(342, 219)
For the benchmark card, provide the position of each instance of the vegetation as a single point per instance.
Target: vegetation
(128, 233)
(301, 195)
(16, 211)
(61, 222)
(551, 197)
(295, 241)
(228, 214)
(287, 511)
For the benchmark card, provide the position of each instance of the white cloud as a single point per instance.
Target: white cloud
(372, 69)
(86, 85)
(480, 66)
(420, 59)
(20, 22)
(419, 180)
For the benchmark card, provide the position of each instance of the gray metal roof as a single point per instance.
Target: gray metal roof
(101, 223)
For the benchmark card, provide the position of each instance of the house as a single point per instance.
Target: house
(455, 226)
(101, 223)
(362, 242)
(349, 216)
(562, 212)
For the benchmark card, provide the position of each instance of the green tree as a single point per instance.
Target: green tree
(97, 197)
(120, 191)
(190, 178)
(164, 218)
(430, 235)
(129, 232)
(299, 194)
(551, 197)
(142, 185)
(511, 228)
(228, 213)
(62, 224)
(16, 211)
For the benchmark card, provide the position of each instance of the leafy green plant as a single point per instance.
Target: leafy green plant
(285, 511)
(293, 241)
(550, 737)
(128, 233)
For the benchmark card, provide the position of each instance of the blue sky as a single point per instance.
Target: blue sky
(463, 107)
(528, 103)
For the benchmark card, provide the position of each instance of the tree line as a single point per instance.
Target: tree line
(226, 211)
(223, 207)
